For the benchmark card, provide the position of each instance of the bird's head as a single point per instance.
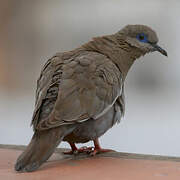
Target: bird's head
(142, 37)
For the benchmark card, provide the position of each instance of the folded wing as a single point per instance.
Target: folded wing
(87, 88)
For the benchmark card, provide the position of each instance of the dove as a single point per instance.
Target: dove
(80, 93)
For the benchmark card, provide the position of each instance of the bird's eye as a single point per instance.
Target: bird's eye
(142, 37)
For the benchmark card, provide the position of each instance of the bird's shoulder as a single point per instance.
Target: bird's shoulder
(92, 66)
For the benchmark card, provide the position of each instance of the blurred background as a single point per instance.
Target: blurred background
(33, 31)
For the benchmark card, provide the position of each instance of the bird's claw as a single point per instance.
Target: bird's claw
(83, 149)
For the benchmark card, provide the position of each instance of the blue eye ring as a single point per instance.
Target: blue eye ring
(142, 37)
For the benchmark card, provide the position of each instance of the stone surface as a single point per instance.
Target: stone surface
(108, 166)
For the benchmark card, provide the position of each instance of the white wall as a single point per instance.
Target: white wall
(33, 31)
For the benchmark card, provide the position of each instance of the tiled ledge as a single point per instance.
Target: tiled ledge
(107, 166)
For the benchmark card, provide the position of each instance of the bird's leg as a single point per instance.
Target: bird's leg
(98, 149)
(75, 150)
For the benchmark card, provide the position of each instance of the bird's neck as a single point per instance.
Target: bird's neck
(117, 49)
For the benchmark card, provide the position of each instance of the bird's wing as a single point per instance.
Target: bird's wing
(46, 84)
(121, 101)
(120, 106)
(90, 84)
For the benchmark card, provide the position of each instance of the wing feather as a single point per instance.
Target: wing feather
(90, 85)
(47, 89)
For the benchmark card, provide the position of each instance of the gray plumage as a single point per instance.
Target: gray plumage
(80, 94)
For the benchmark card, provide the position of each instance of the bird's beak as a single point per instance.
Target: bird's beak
(158, 48)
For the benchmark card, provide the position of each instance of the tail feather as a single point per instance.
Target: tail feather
(42, 145)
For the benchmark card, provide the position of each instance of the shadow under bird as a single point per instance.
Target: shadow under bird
(80, 93)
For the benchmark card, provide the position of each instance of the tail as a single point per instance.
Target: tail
(42, 145)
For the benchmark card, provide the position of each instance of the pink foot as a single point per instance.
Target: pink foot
(83, 149)
(69, 152)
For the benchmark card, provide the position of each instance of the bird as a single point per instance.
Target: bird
(80, 93)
